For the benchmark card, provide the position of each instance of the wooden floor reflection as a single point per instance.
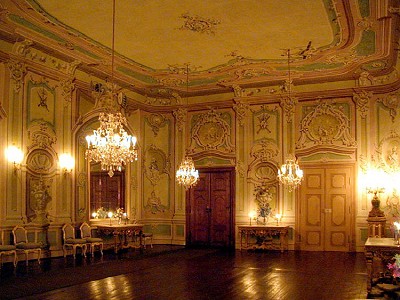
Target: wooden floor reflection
(192, 274)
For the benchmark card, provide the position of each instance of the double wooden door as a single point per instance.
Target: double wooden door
(210, 209)
(325, 209)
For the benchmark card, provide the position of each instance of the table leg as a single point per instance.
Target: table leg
(369, 260)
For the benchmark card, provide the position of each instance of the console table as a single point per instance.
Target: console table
(378, 253)
(263, 237)
(122, 233)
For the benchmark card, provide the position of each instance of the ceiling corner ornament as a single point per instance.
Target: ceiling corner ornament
(199, 24)
(180, 117)
(241, 110)
(212, 132)
(110, 144)
(392, 102)
(67, 87)
(362, 99)
(325, 125)
(290, 174)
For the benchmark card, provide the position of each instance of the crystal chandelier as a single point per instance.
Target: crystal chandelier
(187, 175)
(290, 173)
(110, 144)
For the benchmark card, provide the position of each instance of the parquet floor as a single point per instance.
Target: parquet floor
(179, 273)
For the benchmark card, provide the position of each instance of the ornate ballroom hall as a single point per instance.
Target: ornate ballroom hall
(237, 125)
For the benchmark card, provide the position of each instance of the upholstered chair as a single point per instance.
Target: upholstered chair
(91, 242)
(71, 242)
(7, 250)
(23, 245)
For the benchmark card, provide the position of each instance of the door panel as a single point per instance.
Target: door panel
(210, 204)
(325, 199)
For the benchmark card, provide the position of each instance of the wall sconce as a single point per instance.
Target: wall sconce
(15, 156)
(67, 163)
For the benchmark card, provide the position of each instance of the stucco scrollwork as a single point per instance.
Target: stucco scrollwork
(18, 71)
(325, 125)
(156, 163)
(289, 104)
(41, 135)
(265, 151)
(39, 199)
(212, 132)
(388, 152)
(392, 102)
(156, 121)
(241, 110)
(362, 99)
(40, 161)
(180, 117)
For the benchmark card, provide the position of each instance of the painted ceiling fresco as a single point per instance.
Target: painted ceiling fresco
(222, 43)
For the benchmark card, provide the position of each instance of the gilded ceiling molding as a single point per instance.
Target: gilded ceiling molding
(212, 132)
(164, 97)
(18, 72)
(392, 102)
(362, 102)
(180, 115)
(241, 110)
(199, 24)
(325, 125)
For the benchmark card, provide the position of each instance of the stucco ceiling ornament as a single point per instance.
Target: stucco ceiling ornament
(212, 132)
(199, 24)
(388, 152)
(392, 102)
(362, 102)
(180, 117)
(325, 125)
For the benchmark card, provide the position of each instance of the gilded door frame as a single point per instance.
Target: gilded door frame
(352, 204)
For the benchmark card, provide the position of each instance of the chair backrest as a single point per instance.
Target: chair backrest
(20, 235)
(86, 231)
(68, 232)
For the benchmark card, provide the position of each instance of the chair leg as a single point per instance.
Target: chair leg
(15, 259)
(39, 255)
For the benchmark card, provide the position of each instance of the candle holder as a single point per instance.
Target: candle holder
(252, 216)
(278, 218)
(110, 214)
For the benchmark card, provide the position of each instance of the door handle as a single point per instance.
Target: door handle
(327, 210)
(208, 209)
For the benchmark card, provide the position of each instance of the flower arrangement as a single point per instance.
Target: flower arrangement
(119, 213)
(395, 266)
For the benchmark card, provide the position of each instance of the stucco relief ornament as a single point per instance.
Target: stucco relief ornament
(156, 121)
(241, 110)
(391, 102)
(199, 24)
(362, 99)
(388, 152)
(212, 132)
(18, 71)
(40, 197)
(180, 117)
(325, 125)
(263, 199)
